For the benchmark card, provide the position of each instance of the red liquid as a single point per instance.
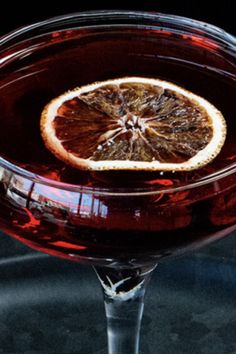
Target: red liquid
(79, 224)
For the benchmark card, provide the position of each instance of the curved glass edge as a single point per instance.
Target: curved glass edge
(216, 32)
(221, 36)
(114, 191)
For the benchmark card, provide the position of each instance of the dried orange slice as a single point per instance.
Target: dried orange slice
(133, 123)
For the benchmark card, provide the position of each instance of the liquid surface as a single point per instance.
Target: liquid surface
(62, 61)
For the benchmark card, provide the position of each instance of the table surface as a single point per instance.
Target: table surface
(48, 305)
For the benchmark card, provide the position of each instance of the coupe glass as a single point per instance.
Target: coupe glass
(123, 230)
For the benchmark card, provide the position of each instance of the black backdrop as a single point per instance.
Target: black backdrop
(18, 13)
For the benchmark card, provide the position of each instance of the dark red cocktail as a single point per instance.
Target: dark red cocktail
(121, 219)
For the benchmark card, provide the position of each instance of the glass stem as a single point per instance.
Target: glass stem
(124, 291)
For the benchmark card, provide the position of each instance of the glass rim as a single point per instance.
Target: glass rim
(218, 34)
(214, 30)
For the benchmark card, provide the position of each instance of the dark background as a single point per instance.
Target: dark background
(18, 13)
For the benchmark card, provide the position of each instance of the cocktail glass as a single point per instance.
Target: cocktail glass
(123, 229)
